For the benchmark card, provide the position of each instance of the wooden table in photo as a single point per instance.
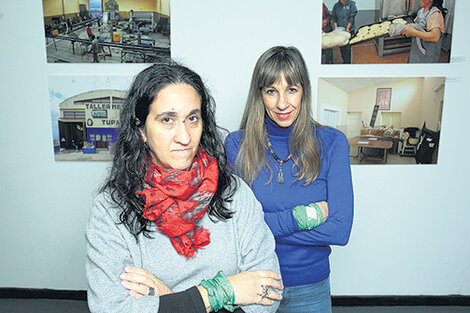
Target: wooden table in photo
(370, 142)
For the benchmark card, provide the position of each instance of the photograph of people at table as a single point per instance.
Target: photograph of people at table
(300, 172)
(172, 229)
(387, 120)
(388, 31)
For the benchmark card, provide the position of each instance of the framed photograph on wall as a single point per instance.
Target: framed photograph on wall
(85, 115)
(417, 105)
(107, 31)
(366, 44)
(384, 96)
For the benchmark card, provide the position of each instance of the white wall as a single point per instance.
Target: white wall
(334, 97)
(410, 233)
(431, 102)
(407, 98)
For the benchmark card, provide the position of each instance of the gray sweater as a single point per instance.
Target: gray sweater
(239, 244)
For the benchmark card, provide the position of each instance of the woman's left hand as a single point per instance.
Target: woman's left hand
(408, 31)
(138, 281)
(248, 287)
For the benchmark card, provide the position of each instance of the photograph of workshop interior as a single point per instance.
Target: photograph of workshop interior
(107, 31)
(374, 35)
(387, 120)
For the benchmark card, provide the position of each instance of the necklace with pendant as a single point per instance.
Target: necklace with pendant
(280, 176)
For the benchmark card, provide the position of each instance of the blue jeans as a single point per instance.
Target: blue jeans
(313, 298)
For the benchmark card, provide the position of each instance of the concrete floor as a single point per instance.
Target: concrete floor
(42, 306)
(72, 306)
(62, 51)
(70, 155)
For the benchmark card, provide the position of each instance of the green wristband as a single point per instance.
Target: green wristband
(308, 217)
(220, 291)
(315, 215)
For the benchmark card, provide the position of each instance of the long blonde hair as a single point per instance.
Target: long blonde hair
(303, 141)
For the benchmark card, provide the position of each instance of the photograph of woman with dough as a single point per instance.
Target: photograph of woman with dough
(387, 31)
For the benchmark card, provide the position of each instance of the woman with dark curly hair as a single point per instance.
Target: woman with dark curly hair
(170, 215)
(426, 44)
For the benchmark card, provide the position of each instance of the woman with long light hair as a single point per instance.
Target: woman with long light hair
(299, 171)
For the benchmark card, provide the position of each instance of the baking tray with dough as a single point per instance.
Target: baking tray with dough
(376, 30)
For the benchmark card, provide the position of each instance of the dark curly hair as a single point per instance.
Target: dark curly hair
(129, 166)
(438, 4)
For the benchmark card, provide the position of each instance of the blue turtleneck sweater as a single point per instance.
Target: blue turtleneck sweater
(303, 255)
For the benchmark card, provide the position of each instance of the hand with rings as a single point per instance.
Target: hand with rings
(256, 287)
(140, 283)
(265, 292)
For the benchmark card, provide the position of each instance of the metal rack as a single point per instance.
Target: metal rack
(390, 9)
(390, 45)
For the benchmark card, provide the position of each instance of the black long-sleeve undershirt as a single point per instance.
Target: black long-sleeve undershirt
(188, 301)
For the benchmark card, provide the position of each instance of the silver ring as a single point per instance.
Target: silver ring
(265, 292)
(151, 291)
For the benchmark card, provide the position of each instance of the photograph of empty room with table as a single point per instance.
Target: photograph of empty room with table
(387, 120)
(107, 31)
(387, 31)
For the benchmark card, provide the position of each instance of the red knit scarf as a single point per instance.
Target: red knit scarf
(177, 201)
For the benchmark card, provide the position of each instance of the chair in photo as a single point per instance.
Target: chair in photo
(410, 140)
(409, 145)
(428, 143)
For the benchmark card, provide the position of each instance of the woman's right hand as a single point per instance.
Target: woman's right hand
(408, 31)
(138, 281)
(249, 287)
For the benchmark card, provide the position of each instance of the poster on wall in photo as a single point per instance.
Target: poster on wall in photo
(85, 115)
(107, 31)
(384, 96)
(387, 31)
(404, 129)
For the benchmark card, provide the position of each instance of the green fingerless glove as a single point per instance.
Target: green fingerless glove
(221, 293)
(309, 216)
